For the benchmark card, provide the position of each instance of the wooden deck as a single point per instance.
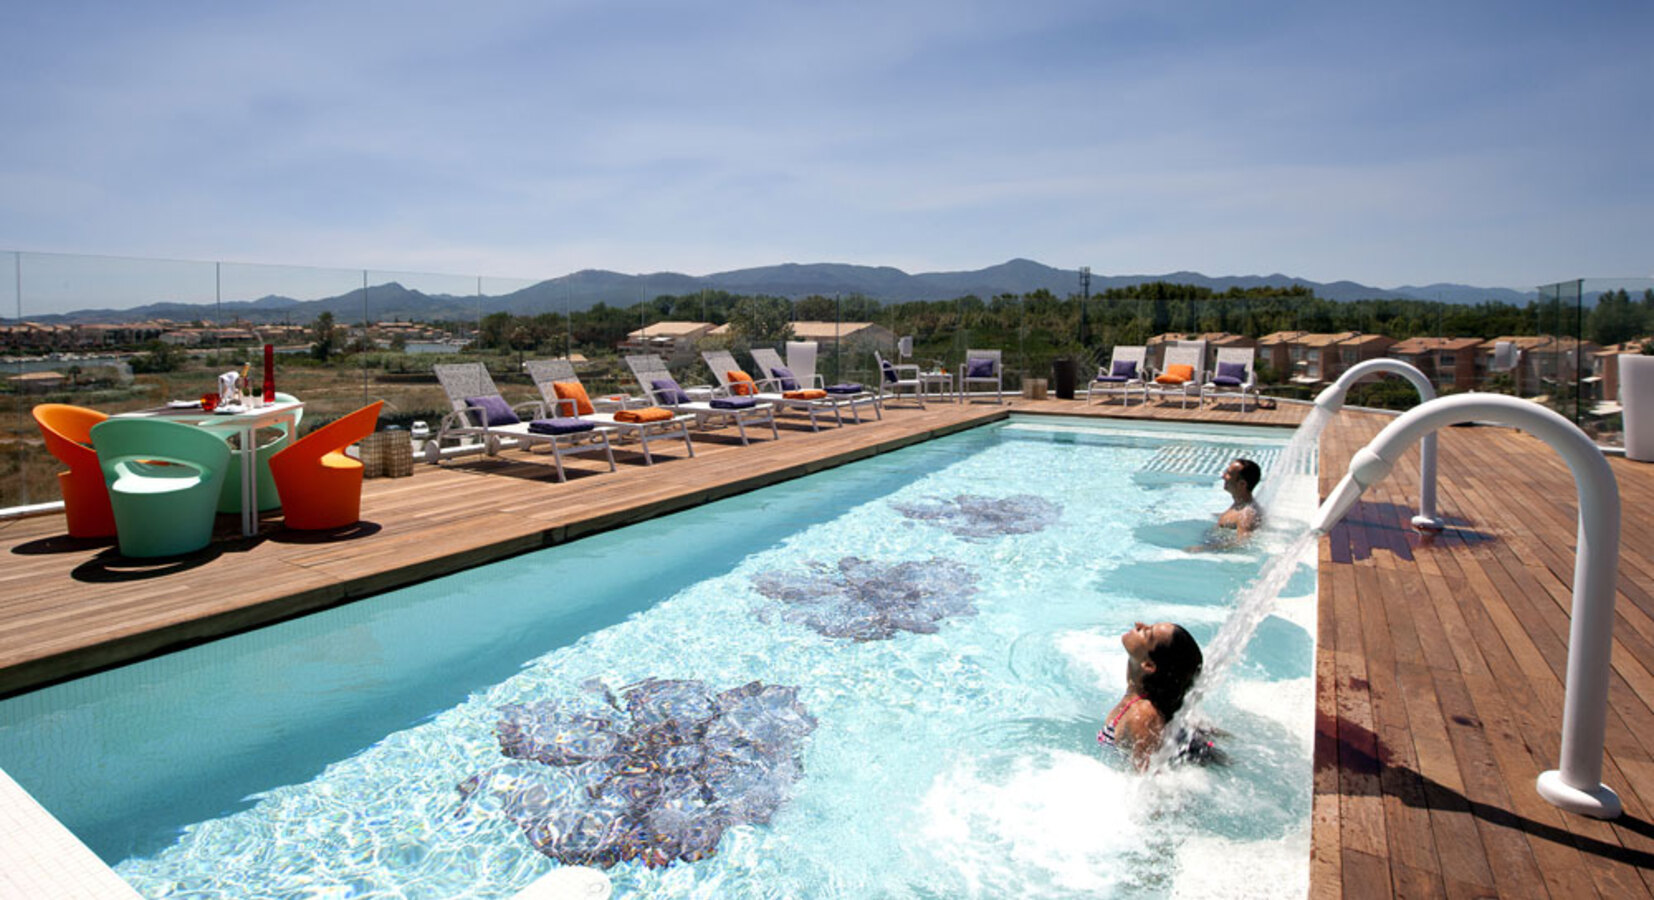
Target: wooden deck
(1439, 661)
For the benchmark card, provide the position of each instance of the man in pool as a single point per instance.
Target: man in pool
(1244, 515)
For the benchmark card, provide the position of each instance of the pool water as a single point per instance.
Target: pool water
(948, 615)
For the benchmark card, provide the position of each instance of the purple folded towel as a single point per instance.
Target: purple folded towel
(849, 387)
(733, 403)
(560, 426)
(1113, 379)
(1226, 380)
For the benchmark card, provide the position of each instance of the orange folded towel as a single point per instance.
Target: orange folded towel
(1177, 374)
(806, 394)
(740, 384)
(573, 390)
(647, 414)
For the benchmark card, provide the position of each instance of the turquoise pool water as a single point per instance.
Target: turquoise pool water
(946, 615)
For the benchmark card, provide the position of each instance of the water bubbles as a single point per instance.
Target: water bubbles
(655, 776)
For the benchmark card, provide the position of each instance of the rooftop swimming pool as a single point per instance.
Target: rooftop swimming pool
(881, 680)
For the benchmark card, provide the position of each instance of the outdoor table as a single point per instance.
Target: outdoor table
(941, 382)
(246, 424)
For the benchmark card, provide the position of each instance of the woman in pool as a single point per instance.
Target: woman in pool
(1162, 662)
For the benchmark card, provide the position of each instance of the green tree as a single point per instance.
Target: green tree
(157, 357)
(762, 319)
(494, 331)
(326, 337)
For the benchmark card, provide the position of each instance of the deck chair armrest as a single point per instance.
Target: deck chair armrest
(537, 407)
(455, 421)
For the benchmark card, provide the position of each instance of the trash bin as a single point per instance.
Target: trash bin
(1062, 377)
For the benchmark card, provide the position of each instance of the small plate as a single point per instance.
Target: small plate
(229, 410)
(183, 404)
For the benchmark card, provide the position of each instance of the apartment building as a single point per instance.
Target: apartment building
(1449, 363)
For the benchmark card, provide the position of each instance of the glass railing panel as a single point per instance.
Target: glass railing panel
(107, 333)
(310, 316)
(1618, 321)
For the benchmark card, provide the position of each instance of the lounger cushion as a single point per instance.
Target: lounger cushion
(573, 390)
(848, 387)
(740, 384)
(560, 426)
(811, 394)
(668, 391)
(1234, 372)
(979, 368)
(1178, 373)
(789, 382)
(495, 411)
(1123, 369)
(733, 403)
(646, 414)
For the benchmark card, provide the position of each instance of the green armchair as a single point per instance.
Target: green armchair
(164, 480)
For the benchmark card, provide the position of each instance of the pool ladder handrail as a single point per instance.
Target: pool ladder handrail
(1576, 785)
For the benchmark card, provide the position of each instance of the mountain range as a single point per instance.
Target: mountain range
(585, 289)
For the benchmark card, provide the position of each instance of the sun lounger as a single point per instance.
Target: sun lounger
(768, 390)
(1124, 374)
(480, 411)
(657, 383)
(548, 373)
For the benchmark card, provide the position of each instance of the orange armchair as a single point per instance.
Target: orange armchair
(321, 487)
(68, 433)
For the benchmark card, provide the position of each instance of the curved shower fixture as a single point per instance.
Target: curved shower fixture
(1332, 399)
(1576, 785)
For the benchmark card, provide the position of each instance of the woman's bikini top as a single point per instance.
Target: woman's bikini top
(1106, 736)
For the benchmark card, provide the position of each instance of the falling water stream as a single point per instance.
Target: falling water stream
(1258, 599)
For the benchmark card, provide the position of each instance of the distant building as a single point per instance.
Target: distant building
(828, 335)
(1449, 363)
(38, 382)
(1212, 339)
(1540, 361)
(1312, 359)
(1276, 349)
(1602, 386)
(668, 340)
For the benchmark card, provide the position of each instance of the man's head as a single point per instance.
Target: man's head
(1243, 472)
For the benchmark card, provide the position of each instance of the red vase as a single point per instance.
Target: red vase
(269, 373)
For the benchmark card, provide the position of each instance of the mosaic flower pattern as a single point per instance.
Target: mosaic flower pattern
(871, 601)
(655, 776)
(978, 518)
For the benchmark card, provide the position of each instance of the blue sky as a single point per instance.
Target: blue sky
(1500, 144)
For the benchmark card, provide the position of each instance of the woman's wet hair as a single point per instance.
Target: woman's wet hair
(1249, 473)
(1177, 663)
